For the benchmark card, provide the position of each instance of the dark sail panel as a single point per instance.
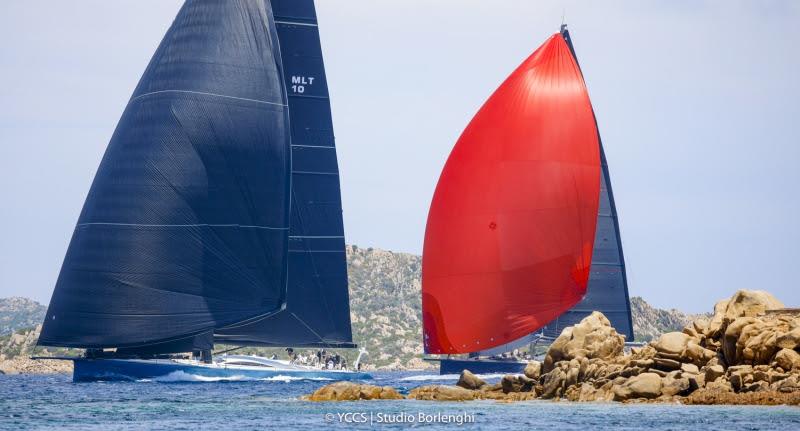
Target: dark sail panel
(185, 228)
(317, 309)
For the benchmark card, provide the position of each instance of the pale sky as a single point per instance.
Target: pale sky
(697, 104)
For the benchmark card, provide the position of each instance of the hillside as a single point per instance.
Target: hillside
(385, 309)
(17, 313)
(649, 323)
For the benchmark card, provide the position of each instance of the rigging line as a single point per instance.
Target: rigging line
(316, 334)
(228, 350)
(201, 93)
(180, 225)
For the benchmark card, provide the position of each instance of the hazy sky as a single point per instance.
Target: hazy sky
(697, 103)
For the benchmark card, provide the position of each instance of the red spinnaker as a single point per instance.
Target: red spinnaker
(508, 245)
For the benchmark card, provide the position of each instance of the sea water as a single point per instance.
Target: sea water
(185, 402)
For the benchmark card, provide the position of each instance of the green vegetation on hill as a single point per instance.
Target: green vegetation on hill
(17, 313)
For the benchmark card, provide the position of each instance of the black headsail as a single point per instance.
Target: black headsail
(317, 312)
(607, 290)
(185, 228)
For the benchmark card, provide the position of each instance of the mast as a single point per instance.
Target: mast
(185, 228)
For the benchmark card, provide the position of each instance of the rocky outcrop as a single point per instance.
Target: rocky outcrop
(442, 393)
(348, 391)
(533, 370)
(24, 365)
(16, 349)
(745, 353)
(645, 385)
(747, 346)
(467, 380)
(592, 338)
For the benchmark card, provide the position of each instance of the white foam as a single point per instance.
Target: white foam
(448, 377)
(182, 376)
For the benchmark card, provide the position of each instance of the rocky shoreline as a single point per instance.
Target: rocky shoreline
(746, 353)
(29, 366)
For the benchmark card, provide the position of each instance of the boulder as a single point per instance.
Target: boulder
(697, 354)
(592, 338)
(714, 372)
(757, 347)
(588, 392)
(696, 381)
(632, 371)
(553, 383)
(675, 384)
(441, 393)
(715, 325)
(667, 364)
(731, 335)
(744, 303)
(789, 340)
(348, 391)
(512, 384)
(645, 385)
(467, 380)
(751, 303)
(497, 387)
(690, 368)
(789, 384)
(788, 359)
(700, 325)
(758, 386)
(740, 379)
(672, 343)
(533, 370)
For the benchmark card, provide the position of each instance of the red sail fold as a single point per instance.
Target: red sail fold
(508, 244)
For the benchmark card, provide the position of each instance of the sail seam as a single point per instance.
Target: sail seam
(182, 225)
(205, 94)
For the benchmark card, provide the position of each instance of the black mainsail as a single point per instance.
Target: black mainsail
(214, 208)
(317, 312)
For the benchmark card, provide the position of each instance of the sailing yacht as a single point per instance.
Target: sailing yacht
(215, 216)
(522, 238)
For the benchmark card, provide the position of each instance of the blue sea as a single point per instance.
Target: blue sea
(183, 403)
